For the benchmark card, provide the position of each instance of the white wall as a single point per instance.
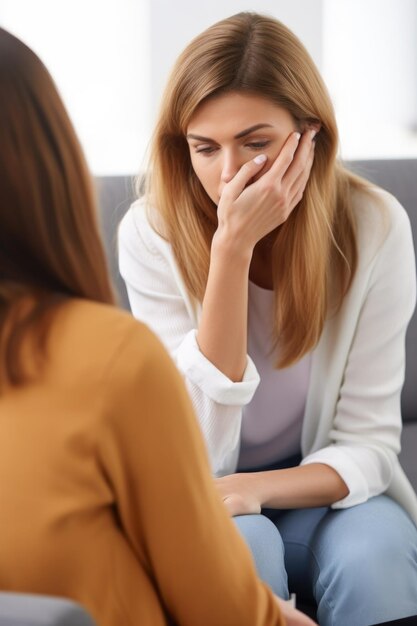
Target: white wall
(370, 66)
(174, 23)
(97, 52)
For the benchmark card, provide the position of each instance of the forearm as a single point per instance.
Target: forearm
(222, 333)
(305, 486)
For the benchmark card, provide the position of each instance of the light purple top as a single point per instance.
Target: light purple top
(272, 421)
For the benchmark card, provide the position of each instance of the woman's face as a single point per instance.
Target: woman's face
(227, 131)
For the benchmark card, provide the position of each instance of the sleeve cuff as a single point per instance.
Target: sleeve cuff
(213, 383)
(337, 458)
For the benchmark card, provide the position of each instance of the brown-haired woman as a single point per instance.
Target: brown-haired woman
(267, 267)
(106, 494)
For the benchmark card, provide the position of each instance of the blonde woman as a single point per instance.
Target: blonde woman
(106, 493)
(283, 286)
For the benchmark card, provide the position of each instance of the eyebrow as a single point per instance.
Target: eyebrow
(243, 133)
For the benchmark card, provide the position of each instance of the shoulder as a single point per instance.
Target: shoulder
(89, 338)
(112, 366)
(144, 254)
(139, 228)
(381, 221)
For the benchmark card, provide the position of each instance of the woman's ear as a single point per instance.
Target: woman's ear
(310, 125)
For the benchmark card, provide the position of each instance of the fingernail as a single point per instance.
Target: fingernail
(313, 133)
(297, 136)
(261, 158)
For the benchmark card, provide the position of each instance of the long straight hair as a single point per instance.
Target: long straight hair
(50, 248)
(315, 252)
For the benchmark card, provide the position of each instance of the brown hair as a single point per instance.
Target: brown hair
(50, 248)
(315, 254)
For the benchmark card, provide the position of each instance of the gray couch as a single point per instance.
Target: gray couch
(20, 609)
(115, 195)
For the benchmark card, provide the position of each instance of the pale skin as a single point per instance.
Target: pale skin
(254, 196)
(292, 616)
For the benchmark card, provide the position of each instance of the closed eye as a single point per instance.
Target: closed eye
(205, 149)
(257, 145)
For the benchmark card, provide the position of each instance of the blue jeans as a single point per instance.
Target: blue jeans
(358, 564)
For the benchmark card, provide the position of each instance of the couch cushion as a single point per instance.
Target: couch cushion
(115, 195)
(20, 609)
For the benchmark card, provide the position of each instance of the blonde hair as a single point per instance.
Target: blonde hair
(50, 247)
(315, 253)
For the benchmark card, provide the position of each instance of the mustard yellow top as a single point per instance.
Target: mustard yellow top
(105, 491)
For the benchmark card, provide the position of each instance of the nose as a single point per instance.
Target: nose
(230, 166)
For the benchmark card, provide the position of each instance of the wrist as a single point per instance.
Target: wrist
(256, 483)
(266, 485)
(231, 248)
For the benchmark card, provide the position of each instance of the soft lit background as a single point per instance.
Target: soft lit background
(110, 59)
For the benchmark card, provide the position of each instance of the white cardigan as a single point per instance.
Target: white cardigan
(352, 419)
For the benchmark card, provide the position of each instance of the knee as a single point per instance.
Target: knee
(261, 534)
(382, 543)
(267, 548)
(384, 554)
(371, 576)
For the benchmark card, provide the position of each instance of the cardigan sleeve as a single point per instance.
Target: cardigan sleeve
(153, 455)
(158, 297)
(365, 438)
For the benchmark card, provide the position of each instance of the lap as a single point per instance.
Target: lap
(358, 564)
(380, 522)
(354, 544)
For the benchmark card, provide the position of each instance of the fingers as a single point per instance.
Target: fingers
(237, 504)
(238, 183)
(292, 616)
(301, 159)
(286, 156)
(287, 167)
(296, 191)
(232, 505)
(274, 193)
(292, 167)
(293, 181)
